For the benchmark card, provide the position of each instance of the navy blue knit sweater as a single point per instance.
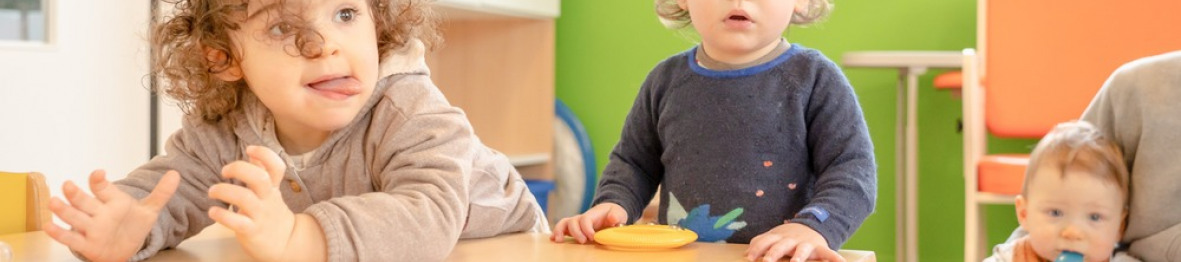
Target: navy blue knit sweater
(740, 152)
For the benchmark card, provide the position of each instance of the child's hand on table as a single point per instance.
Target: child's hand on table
(582, 227)
(264, 225)
(798, 240)
(112, 225)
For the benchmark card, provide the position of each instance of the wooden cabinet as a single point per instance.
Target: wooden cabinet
(497, 64)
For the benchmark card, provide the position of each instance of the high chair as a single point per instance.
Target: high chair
(1039, 64)
(24, 202)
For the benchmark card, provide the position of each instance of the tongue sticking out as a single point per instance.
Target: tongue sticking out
(338, 88)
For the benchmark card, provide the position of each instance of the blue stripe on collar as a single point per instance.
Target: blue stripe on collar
(749, 71)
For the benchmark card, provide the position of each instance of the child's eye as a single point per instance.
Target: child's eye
(1055, 213)
(280, 29)
(1095, 217)
(345, 15)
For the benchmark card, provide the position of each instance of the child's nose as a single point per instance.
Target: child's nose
(329, 48)
(1072, 232)
(329, 38)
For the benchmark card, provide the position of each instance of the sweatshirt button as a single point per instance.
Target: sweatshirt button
(295, 186)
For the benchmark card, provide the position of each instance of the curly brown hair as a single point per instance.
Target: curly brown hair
(674, 17)
(193, 45)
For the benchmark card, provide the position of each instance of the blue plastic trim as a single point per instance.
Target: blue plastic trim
(540, 190)
(588, 153)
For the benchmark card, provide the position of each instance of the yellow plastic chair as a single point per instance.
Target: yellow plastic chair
(24, 202)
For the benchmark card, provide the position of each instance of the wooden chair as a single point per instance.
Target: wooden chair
(25, 202)
(1040, 63)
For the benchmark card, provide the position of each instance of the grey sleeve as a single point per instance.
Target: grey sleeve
(185, 213)
(1137, 108)
(842, 156)
(421, 199)
(500, 202)
(1113, 111)
(634, 169)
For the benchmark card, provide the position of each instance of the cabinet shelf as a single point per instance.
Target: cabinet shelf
(529, 159)
(498, 9)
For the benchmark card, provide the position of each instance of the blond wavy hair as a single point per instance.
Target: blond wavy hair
(192, 45)
(1079, 145)
(673, 17)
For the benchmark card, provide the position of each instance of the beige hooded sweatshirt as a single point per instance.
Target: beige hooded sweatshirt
(403, 182)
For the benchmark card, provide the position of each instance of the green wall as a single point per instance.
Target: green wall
(606, 47)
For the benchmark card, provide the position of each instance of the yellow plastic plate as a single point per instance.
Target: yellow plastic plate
(644, 237)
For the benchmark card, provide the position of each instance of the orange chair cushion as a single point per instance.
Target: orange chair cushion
(1002, 173)
(949, 80)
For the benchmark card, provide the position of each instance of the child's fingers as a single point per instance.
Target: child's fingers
(81, 200)
(71, 239)
(255, 177)
(163, 191)
(76, 218)
(239, 223)
(268, 160)
(759, 245)
(802, 253)
(574, 229)
(587, 224)
(613, 218)
(826, 254)
(559, 231)
(246, 201)
(780, 249)
(99, 185)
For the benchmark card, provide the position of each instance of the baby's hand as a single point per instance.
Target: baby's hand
(791, 238)
(262, 222)
(583, 227)
(113, 226)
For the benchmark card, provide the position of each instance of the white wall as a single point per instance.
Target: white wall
(81, 104)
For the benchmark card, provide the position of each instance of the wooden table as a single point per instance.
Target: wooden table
(910, 64)
(217, 243)
(537, 247)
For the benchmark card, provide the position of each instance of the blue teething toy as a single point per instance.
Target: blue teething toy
(1069, 256)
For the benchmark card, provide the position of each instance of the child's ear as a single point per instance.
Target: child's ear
(1022, 210)
(232, 72)
(1123, 222)
(802, 6)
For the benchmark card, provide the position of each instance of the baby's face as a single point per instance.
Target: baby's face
(735, 29)
(309, 96)
(1076, 212)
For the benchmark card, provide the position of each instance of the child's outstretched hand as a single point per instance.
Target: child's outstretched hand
(112, 225)
(263, 224)
(582, 227)
(798, 240)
